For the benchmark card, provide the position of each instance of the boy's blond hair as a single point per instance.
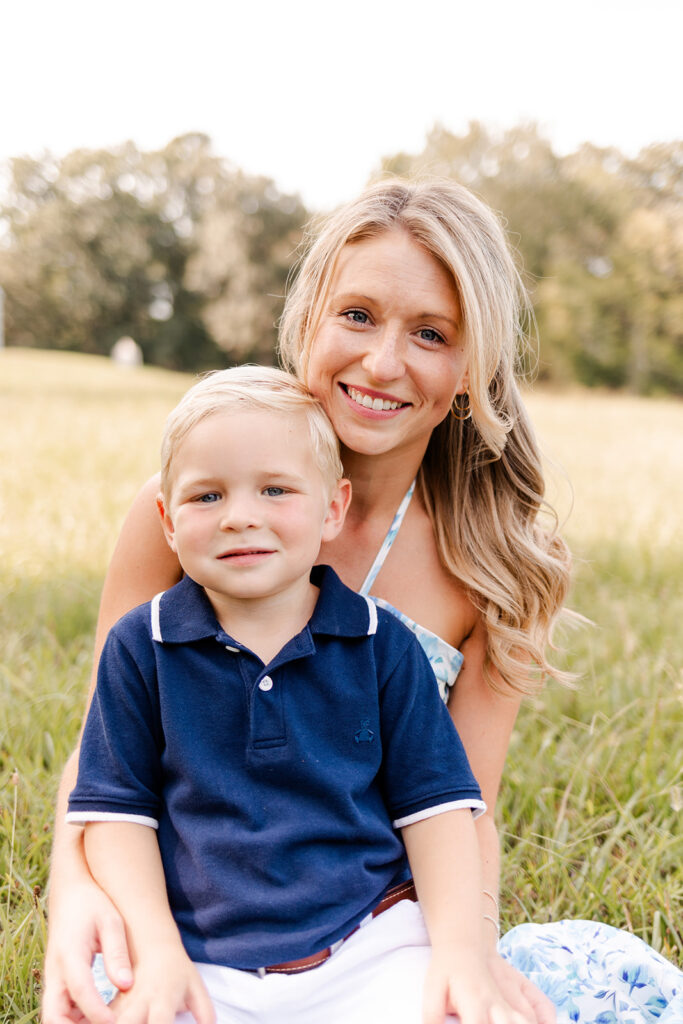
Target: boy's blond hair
(245, 388)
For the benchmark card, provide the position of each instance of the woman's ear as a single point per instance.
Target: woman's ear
(464, 385)
(339, 501)
(166, 521)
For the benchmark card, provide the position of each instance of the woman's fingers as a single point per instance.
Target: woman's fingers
(543, 1010)
(57, 1008)
(88, 923)
(115, 951)
(82, 998)
(522, 994)
(434, 997)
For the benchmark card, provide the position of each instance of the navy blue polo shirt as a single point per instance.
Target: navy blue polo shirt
(277, 789)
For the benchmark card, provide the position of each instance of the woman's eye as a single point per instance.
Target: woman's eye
(431, 336)
(356, 316)
(208, 499)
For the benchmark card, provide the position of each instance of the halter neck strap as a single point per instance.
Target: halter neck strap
(388, 541)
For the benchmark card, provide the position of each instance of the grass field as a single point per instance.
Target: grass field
(593, 793)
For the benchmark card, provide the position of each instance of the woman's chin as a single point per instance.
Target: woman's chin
(363, 441)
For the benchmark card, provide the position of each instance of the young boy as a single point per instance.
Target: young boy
(258, 737)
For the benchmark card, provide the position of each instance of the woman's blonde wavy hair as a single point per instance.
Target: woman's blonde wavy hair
(481, 478)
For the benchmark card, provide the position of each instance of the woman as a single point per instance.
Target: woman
(404, 320)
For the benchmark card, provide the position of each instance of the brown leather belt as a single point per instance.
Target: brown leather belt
(405, 891)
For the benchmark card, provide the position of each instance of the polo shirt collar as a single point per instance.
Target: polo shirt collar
(339, 610)
(185, 614)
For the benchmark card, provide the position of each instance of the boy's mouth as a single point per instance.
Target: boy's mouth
(245, 553)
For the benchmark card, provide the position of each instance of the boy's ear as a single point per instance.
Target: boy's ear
(340, 500)
(166, 522)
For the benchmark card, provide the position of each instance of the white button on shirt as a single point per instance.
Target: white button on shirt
(266, 684)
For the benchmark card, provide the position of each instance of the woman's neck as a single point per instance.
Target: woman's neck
(379, 485)
(379, 481)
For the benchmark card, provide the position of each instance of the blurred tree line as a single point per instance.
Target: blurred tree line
(188, 255)
(176, 249)
(601, 242)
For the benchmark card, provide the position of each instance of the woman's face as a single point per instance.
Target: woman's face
(388, 357)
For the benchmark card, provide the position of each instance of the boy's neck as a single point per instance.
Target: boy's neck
(266, 624)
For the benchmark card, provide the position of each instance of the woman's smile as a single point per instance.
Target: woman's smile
(372, 401)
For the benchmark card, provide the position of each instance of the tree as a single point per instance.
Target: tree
(246, 243)
(109, 243)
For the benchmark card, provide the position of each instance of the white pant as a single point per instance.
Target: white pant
(377, 975)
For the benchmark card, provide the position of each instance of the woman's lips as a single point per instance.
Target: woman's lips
(373, 401)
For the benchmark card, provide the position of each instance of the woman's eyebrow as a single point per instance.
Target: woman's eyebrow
(352, 297)
(438, 316)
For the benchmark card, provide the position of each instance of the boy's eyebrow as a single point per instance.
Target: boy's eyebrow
(282, 474)
(193, 481)
(198, 483)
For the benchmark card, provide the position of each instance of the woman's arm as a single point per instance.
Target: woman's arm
(444, 859)
(485, 720)
(166, 981)
(82, 920)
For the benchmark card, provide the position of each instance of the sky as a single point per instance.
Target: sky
(312, 93)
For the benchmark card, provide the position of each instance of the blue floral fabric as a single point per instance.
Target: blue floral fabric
(596, 974)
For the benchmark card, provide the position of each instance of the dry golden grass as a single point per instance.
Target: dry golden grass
(624, 458)
(80, 435)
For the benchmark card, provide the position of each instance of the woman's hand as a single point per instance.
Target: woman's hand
(85, 924)
(468, 989)
(520, 992)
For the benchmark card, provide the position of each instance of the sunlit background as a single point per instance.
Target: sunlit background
(314, 94)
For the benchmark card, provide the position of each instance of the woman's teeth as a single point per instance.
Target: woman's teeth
(380, 404)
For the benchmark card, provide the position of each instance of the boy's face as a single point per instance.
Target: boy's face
(248, 506)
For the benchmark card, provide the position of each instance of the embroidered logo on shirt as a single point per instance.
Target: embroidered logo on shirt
(364, 734)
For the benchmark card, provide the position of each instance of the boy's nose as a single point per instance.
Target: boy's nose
(239, 514)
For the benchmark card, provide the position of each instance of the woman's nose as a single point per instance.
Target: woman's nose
(384, 359)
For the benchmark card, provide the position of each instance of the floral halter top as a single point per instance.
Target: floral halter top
(445, 660)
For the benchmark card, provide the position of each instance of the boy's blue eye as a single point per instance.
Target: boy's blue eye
(208, 499)
(273, 492)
